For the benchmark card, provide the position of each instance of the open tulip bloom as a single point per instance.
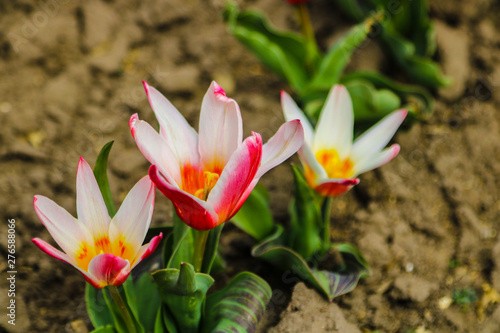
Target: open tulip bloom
(103, 249)
(209, 175)
(331, 159)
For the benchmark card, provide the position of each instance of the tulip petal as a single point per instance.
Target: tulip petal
(109, 269)
(90, 205)
(179, 135)
(292, 111)
(68, 232)
(378, 159)
(221, 129)
(146, 250)
(335, 125)
(236, 177)
(55, 253)
(377, 137)
(156, 150)
(196, 213)
(285, 143)
(334, 187)
(132, 220)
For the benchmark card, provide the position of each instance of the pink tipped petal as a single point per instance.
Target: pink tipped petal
(55, 253)
(292, 111)
(377, 137)
(309, 160)
(378, 159)
(156, 150)
(334, 187)
(285, 143)
(335, 125)
(236, 177)
(221, 129)
(67, 231)
(132, 220)
(196, 213)
(179, 135)
(146, 250)
(90, 205)
(109, 269)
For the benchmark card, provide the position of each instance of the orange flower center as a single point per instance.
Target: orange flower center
(102, 245)
(335, 167)
(209, 181)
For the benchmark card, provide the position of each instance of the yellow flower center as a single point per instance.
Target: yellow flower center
(102, 245)
(209, 181)
(335, 167)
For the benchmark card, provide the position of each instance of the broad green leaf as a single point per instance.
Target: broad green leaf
(104, 329)
(100, 173)
(328, 282)
(178, 245)
(285, 53)
(306, 221)
(97, 308)
(239, 306)
(255, 216)
(417, 100)
(127, 294)
(211, 249)
(339, 55)
(164, 321)
(148, 301)
(183, 292)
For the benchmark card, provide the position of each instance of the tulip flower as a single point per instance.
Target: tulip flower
(103, 249)
(331, 159)
(209, 175)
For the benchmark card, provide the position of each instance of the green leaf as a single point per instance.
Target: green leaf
(306, 221)
(337, 58)
(104, 329)
(164, 321)
(255, 216)
(97, 308)
(331, 283)
(183, 292)
(285, 53)
(417, 100)
(148, 301)
(353, 9)
(100, 173)
(178, 245)
(211, 249)
(239, 306)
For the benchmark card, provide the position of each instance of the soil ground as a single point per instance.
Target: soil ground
(427, 222)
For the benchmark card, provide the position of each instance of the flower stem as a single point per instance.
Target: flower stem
(305, 22)
(115, 294)
(200, 241)
(325, 214)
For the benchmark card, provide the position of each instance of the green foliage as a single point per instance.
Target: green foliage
(255, 216)
(464, 297)
(239, 306)
(101, 176)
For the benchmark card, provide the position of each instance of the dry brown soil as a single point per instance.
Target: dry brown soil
(427, 222)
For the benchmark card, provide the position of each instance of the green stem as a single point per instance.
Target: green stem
(325, 214)
(305, 22)
(113, 290)
(200, 241)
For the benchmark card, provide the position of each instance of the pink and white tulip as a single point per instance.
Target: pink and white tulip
(331, 159)
(103, 249)
(209, 175)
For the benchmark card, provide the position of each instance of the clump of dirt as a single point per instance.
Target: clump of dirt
(426, 222)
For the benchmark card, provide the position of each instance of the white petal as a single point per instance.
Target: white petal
(156, 150)
(335, 125)
(372, 141)
(285, 143)
(308, 159)
(292, 111)
(132, 220)
(90, 205)
(221, 128)
(68, 232)
(181, 137)
(377, 160)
